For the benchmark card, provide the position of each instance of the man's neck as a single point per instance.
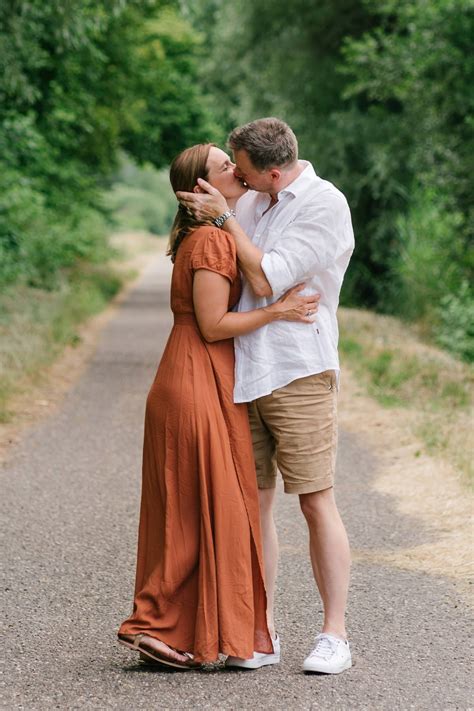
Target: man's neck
(286, 179)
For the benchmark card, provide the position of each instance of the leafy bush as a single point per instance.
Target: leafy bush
(37, 241)
(430, 273)
(427, 264)
(82, 82)
(456, 322)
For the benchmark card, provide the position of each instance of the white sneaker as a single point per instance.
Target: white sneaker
(331, 655)
(258, 660)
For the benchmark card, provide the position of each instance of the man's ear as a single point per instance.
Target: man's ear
(275, 174)
(197, 189)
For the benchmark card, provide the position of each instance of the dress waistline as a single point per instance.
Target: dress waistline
(185, 320)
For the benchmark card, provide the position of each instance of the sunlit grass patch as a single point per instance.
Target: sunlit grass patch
(349, 347)
(399, 370)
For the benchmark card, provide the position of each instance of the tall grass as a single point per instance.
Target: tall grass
(36, 324)
(399, 370)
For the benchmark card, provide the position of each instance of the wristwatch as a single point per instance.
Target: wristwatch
(219, 221)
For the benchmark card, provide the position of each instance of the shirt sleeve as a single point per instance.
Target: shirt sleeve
(215, 251)
(311, 244)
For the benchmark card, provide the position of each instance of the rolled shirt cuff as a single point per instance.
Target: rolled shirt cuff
(277, 272)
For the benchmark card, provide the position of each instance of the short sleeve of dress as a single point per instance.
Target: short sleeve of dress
(215, 250)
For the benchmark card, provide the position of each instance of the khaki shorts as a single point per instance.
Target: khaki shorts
(295, 429)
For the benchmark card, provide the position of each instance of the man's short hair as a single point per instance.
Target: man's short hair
(268, 142)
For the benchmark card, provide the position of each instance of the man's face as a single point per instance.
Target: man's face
(262, 181)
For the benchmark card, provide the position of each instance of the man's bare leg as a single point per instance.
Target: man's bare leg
(330, 556)
(270, 551)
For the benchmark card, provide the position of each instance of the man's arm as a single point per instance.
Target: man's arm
(209, 205)
(250, 258)
(311, 244)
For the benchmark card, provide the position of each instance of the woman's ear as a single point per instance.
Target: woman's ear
(197, 189)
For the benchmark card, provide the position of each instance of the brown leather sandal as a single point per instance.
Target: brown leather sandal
(149, 654)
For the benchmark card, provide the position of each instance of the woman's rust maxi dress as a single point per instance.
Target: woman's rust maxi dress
(199, 584)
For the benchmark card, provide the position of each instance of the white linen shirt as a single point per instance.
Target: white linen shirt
(306, 237)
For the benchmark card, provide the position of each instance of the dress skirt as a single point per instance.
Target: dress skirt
(199, 581)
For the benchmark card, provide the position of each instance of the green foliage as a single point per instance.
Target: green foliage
(171, 114)
(410, 76)
(456, 322)
(36, 242)
(429, 262)
(380, 97)
(141, 198)
(82, 80)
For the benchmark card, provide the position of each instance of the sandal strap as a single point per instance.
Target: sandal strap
(137, 639)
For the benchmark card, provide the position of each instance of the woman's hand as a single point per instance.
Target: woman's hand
(292, 306)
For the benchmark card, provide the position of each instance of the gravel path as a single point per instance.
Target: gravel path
(70, 496)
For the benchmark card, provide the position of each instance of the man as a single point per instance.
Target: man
(291, 227)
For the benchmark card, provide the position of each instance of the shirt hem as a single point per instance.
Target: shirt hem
(245, 398)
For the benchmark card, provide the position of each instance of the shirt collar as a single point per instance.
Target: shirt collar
(299, 184)
(296, 187)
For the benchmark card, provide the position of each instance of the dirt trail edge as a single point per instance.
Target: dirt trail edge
(70, 501)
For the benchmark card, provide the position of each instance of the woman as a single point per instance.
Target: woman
(199, 585)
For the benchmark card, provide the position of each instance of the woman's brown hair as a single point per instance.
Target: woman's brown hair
(186, 168)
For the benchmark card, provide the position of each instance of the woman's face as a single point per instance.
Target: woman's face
(221, 176)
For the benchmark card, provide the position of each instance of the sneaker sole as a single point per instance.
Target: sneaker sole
(252, 664)
(314, 670)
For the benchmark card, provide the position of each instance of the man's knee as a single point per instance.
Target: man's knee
(317, 502)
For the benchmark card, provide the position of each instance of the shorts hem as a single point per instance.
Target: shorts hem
(308, 487)
(269, 484)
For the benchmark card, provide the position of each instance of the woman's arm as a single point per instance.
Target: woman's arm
(216, 323)
(211, 204)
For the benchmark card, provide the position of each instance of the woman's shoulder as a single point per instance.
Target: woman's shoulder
(210, 231)
(212, 238)
(214, 249)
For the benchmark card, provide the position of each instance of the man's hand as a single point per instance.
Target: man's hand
(209, 204)
(205, 205)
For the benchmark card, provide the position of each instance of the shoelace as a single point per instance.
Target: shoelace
(324, 648)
